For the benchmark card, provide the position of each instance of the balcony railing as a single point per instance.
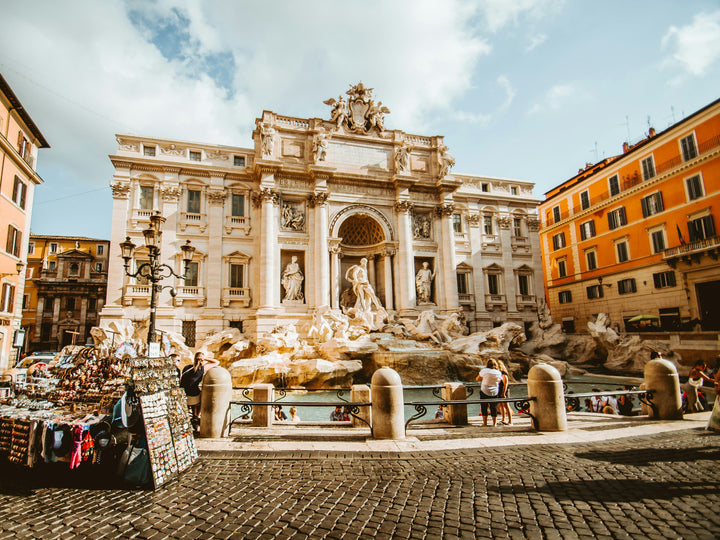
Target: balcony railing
(236, 294)
(189, 294)
(237, 222)
(495, 301)
(671, 255)
(192, 219)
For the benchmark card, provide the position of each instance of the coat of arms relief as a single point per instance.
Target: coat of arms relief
(360, 113)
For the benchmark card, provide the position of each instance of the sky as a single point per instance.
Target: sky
(524, 89)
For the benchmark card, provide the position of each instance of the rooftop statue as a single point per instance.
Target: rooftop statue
(359, 114)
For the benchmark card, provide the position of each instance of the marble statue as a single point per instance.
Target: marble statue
(446, 161)
(423, 283)
(338, 115)
(367, 310)
(421, 228)
(267, 134)
(292, 279)
(292, 218)
(320, 146)
(402, 157)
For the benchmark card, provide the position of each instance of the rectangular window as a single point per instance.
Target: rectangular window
(195, 156)
(623, 254)
(146, 197)
(617, 218)
(558, 240)
(648, 168)
(658, 241)
(188, 332)
(462, 283)
(565, 297)
(26, 301)
(457, 223)
(524, 284)
(31, 248)
(694, 187)
(19, 193)
(52, 265)
(493, 284)
(193, 201)
(488, 225)
(513, 190)
(14, 241)
(239, 161)
(689, 148)
(517, 227)
(100, 249)
(148, 151)
(652, 204)
(556, 214)
(98, 267)
(585, 200)
(238, 205)
(587, 230)
(614, 185)
(485, 187)
(7, 298)
(626, 286)
(236, 276)
(562, 267)
(664, 279)
(594, 291)
(191, 275)
(92, 304)
(591, 258)
(701, 228)
(53, 247)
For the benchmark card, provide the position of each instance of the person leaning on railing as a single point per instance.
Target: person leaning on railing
(491, 377)
(191, 379)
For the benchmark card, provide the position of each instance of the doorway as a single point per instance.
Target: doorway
(708, 298)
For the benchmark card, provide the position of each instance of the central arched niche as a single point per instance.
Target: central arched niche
(361, 230)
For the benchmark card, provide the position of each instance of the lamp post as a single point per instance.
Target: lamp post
(154, 271)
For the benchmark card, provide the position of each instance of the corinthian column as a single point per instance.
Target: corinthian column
(406, 268)
(448, 277)
(318, 201)
(269, 293)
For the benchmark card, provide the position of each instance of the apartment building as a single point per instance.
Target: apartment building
(20, 140)
(634, 236)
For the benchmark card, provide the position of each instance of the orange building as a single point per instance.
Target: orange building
(65, 286)
(635, 234)
(19, 142)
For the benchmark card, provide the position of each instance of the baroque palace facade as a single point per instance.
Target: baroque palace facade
(635, 236)
(276, 227)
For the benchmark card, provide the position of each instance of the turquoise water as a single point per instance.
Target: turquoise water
(322, 414)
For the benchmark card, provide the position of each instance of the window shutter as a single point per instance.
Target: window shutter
(23, 192)
(671, 279)
(644, 204)
(709, 226)
(621, 214)
(659, 202)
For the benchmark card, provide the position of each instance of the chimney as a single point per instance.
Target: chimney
(651, 133)
(626, 147)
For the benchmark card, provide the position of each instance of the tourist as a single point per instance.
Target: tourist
(346, 414)
(504, 408)
(490, 377)
(695, 381)
(191, 379)
(293, 415)
(279, 414)
(439, 413)
(337, 415)
(625, 405)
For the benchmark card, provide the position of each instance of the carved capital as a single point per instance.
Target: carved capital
(403, 206)
(317, 199)
(445, 210)
(120, 190)
(216, 197)
(265, 194)
(474, 219)
(533, 224)
(504, 222)
(170, 194)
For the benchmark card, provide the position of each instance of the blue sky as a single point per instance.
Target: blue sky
(526, 89)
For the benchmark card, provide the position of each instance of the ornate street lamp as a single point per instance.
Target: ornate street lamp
(153, 271)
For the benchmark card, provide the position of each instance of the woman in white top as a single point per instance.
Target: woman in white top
(491, 377)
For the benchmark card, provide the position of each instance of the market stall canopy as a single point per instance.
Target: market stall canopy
(646, 317)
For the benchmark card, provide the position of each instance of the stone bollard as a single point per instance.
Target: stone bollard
(545, 384)
(388, 408)
(215, 403)
(661, 377)
(714, 421)
(456, 415)
(360, 393)
(262, 415)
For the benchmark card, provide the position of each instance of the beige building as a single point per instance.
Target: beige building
(276, 227)
(20, 140)
(65, 287)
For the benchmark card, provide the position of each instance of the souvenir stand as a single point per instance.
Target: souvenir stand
(163, 407)
(67, 412)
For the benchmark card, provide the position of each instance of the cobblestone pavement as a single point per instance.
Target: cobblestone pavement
(657, 486)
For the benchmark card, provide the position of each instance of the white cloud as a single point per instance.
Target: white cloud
(510, 92)
(536, 41)
(696, 46)
(555, 98)
(500, 13)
